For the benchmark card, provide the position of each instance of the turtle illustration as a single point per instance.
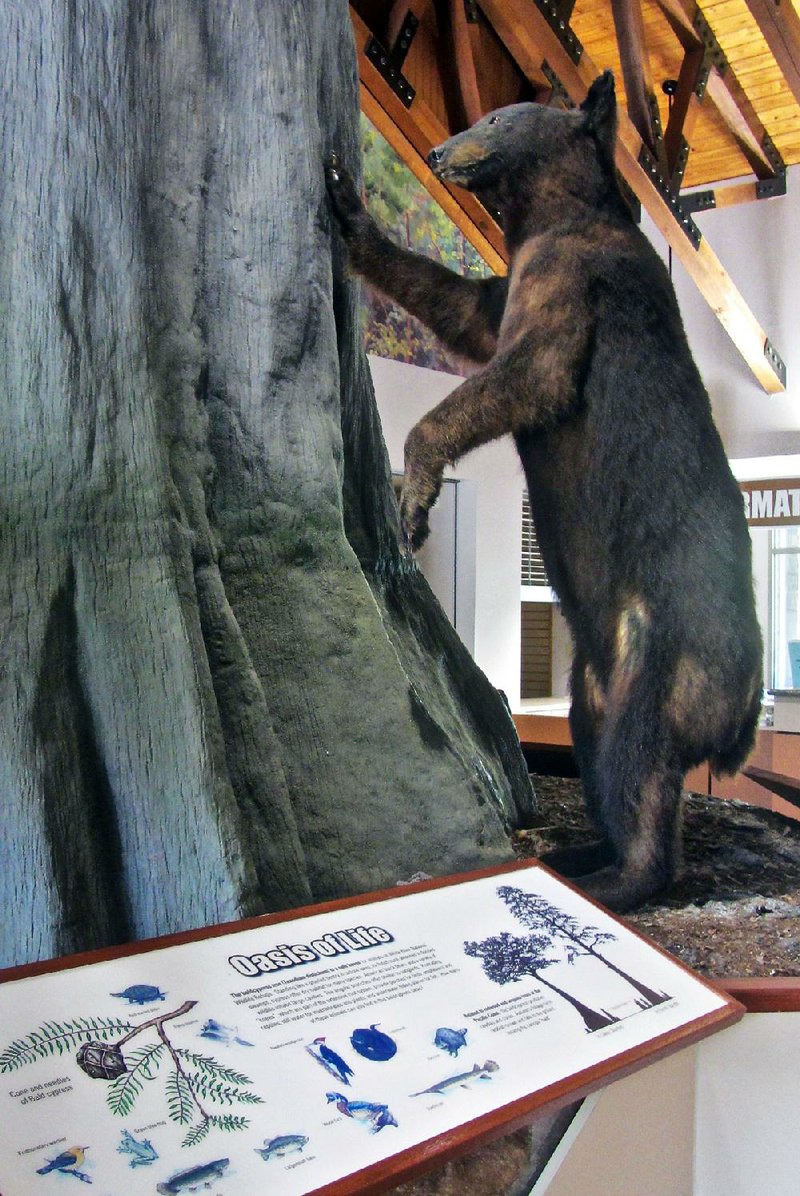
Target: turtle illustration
(450, 1040)
(141, 994)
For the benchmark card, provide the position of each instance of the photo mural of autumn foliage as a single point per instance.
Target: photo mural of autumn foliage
(409, 215)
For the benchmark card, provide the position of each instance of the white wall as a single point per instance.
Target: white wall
(404, 393)
(759, 246)
(718, 1119)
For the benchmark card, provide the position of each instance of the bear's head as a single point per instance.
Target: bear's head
(514, 155)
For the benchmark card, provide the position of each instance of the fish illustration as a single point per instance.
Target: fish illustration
(329, 1059)
(141, 994)
(276, 1148)
(462, 1079)
(219, 1033)
(67, 1163)
(372, 1043)
(450, 1040)
(374, 1116)
(143, 1152)
(193, 1179)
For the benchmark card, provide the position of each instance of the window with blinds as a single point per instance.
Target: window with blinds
(533, 571)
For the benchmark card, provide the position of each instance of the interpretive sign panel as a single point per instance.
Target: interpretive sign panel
(335, 1049)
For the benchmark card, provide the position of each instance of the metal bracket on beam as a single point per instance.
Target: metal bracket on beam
(702, 78)
(560, 92)
(714, 52)
(769, 188)
(389, 63)
(471, 11)
(676, 182)
(650, 167)
(775, 360)
(550, 11)
(698, 201)
(772, 154)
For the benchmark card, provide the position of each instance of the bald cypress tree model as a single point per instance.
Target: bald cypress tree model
(223, 688)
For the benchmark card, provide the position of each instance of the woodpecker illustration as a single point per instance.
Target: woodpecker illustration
(329, 1059)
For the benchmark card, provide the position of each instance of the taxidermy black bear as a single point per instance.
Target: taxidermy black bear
(640, 522)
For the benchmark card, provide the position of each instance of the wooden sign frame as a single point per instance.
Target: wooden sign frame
(409, 1163)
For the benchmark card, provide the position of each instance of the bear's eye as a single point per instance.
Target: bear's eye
(494, 119)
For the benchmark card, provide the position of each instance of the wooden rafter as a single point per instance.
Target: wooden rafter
(639, 91)
(739, 115)
(684, 109)
(465, 63)
(723, 89)
(529, 37)
(532, 43)
(397, 17)
(780, 24)
(412, 133)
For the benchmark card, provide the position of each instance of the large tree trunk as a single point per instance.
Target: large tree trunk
(223, 688)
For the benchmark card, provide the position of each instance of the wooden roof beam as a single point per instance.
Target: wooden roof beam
(723, 89)
(739, 115)
(412, 133)
(639, 91)
(398, 14)
(519, 24)
(465, 63)
(684, 107)
(780, 25)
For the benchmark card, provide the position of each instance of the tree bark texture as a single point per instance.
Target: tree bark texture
(224, 690)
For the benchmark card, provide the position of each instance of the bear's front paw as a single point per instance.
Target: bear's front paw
(420, 492)
(345, 199)
(413, 525)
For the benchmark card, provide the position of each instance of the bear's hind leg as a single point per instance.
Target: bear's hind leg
(643, 813)
(638, 769)
(585, 721)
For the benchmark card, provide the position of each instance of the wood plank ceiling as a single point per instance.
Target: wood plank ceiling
(709, 99)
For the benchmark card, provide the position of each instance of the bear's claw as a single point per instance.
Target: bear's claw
(345, 199)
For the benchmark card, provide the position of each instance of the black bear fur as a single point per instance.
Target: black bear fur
(639, 519)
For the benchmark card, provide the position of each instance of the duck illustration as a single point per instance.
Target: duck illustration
(330, 1060)
(374, 1116)
(450, 1040)
(67, 1163)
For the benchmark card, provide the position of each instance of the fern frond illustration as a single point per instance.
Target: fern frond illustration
(191, 1080)
(217, 1070)
(180, 1098)
(197, 1133)
(142, 1065)
(54, 1038)
(223, 1094)
(229, 1122)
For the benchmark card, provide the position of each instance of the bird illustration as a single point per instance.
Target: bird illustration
(67, 1163)
(329, 1059)
(374, 1116)
(219, 1033)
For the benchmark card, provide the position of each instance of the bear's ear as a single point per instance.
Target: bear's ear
(600, 111)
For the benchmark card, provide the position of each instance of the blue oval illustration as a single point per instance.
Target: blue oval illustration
(373, 1044)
